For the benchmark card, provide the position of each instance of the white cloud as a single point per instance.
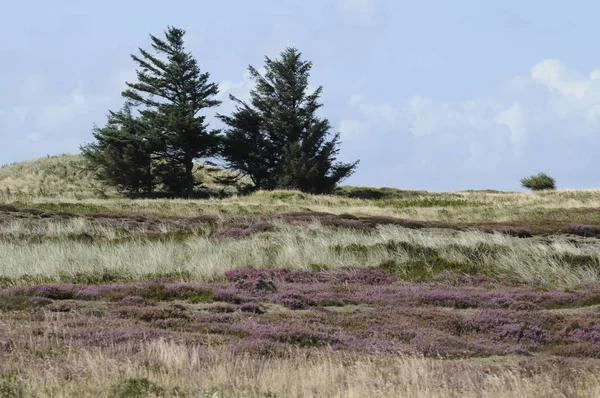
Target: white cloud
(34, 137)
(532, 122)
(240, 89)
(355, 100)
(525, 105)
(57, 115)
(32, 87)
(350, 129)
(428, 116)
(123, 76)
(362, 10)
(21, 113)
(514, 119)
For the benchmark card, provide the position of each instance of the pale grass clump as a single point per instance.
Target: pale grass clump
(53, 176)
(66, 176)
(62, 180)
(196, 370)
(79, 225)
(477, 207)
(302, 247)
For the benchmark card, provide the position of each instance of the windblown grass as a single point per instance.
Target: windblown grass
(304, 335)
(163, 368)
(532, 208)
(62, 250)
(65, 176)
(283, 294)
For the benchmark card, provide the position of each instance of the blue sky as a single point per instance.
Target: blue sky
(437, 95)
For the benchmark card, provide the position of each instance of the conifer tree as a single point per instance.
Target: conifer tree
(277, 139)
(172, 92)
(247, 149)
(122, 153)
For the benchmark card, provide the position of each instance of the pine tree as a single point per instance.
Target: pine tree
(122, 153)
(247, 148)
(173, 91)
(277, 139)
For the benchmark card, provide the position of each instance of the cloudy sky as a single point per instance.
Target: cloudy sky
(428, 94)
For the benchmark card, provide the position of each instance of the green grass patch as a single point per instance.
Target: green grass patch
(137, 388)
(65, 207)
(426, 268)
(11, 387)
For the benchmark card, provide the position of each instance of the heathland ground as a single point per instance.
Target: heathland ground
(368, 292)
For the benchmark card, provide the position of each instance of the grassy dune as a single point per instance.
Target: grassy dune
(367, 292)
(65, 176)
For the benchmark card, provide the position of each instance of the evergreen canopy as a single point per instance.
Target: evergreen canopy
(277, 139)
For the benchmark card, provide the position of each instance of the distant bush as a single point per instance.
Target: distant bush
(375, 193)
(539, 182)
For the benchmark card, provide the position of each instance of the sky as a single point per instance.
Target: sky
(430, 94)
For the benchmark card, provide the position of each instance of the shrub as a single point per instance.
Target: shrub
(134, 387)
(10, 387)
(539, 182)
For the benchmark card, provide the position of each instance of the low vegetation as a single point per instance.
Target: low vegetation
(364, 292)
(539, 182)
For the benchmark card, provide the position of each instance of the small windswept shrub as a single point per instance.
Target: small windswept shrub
(252, 308)
(294, 301)
(539, 182)
(230, 233)
(588, 231)
(137, 387)
(11, 387)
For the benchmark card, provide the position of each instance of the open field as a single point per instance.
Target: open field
(343, 333)
(369, 292)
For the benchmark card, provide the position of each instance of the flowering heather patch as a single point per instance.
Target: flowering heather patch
(230, 233)
(58, 291)
(231, 295)
(357, 310)
(584, 230)
(358, 225)
(368, 276)
(146, 290)
(252, 308)
(116, 336)
(294, 300)
(241, 231)
(277, 275)
(365, 276)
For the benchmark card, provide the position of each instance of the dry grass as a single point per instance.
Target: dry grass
(64, 176)
(555, 262)
(43, 361)
(553, 207)
(59, 183)
(164, 368)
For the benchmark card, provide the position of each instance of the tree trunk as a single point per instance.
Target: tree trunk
(149, 182)
(189, 178)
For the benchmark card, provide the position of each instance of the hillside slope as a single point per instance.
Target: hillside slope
(64, 176)
(53, 176)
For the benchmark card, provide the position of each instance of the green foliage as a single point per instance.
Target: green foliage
(283, 195)
(137, 387)
(375, 193)
(539, 182)
(158, 147)
(121, 156)
(10, 387)
(173, 91)
(429, 202)
(277, 140)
